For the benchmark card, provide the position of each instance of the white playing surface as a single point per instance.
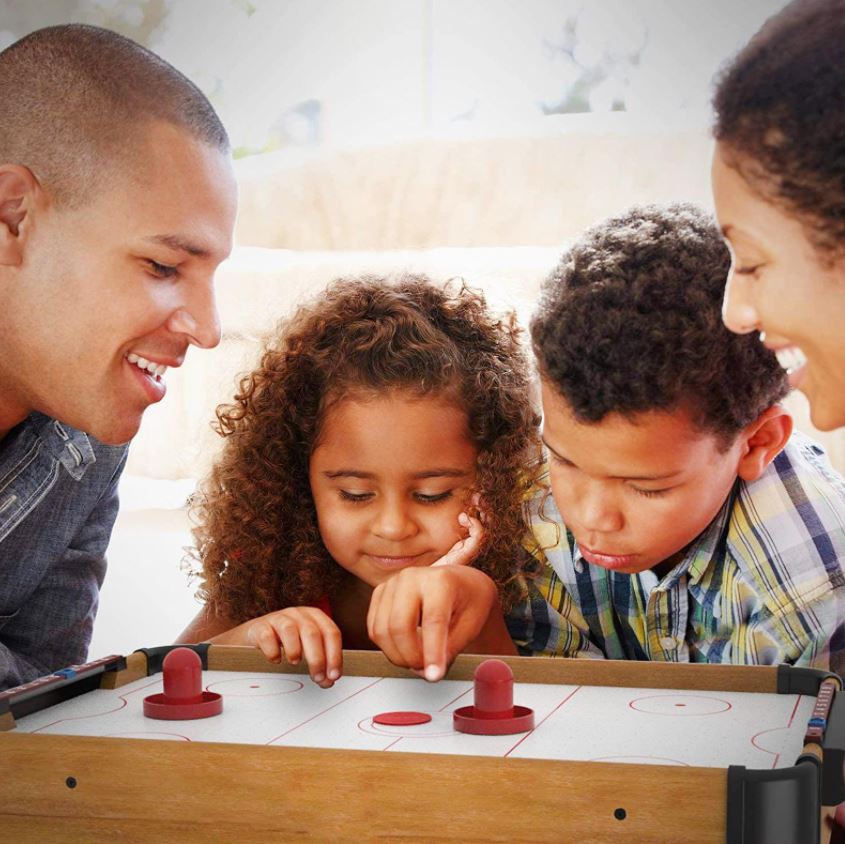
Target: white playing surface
(644, 726)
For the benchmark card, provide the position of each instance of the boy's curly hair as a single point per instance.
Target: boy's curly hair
(630, 322)
(257, 536)
(780, 116)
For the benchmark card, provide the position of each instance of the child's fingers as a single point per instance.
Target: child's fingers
(323, 650)
(333, 642)
(313, 650)
(288, 632)
(457, 604)
(480, 507)
(393, 619)
(464, 551)
(314, 637)
(404, 622)
(436, 618)
(263, 636)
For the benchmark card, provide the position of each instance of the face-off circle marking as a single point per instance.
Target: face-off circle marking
(257, 686)
(680, 705)
(438, 725)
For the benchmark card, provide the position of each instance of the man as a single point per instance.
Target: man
(117, 203)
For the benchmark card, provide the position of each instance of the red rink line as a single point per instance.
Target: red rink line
(775, 729)
(565, 700)
(122, 705)
(324, 711)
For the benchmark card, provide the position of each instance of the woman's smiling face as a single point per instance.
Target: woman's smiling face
(781, 286)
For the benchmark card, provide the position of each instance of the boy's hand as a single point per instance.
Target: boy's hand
(298, 632)
(423, 617)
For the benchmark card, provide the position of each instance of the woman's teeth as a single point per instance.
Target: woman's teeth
(154, 369)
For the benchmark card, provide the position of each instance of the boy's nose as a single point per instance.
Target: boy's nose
(738, 313)
(598, 513)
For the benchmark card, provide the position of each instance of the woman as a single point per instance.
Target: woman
(779, 189)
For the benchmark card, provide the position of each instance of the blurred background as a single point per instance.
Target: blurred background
(469, 138)
(301, 73)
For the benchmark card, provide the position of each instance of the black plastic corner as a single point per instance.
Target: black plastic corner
(833, 745)
(793, 680)
(155, 656)
(780, 806)
(62, 685)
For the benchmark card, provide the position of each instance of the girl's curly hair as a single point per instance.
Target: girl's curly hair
(257, 537)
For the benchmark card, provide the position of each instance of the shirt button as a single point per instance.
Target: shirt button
(668, 643)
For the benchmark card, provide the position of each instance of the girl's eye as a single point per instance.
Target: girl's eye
(748, 270)
(355, 497)
(649, 493)
(161, 270)
(432, 499)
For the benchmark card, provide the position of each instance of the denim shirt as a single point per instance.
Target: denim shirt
(58, 503)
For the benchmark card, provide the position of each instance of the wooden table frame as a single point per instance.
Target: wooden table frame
(77, 788)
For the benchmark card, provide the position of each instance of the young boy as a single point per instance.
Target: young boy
(696, 526)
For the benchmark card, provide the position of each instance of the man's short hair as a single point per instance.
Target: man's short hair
(630, 322)
(74, 98)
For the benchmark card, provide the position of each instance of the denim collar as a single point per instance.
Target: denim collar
(70, 447)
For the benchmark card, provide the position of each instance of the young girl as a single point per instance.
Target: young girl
(385, 441)
(779, 188)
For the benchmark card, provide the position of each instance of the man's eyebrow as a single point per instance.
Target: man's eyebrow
(180, 244)
(618, 477)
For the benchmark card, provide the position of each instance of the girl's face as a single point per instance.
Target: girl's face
(780, 286)
(390, 476)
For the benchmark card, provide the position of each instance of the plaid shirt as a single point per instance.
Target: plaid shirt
(763, 584)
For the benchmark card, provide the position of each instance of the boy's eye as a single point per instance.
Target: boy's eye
(161, 270)
(356, 497)
(423, 498)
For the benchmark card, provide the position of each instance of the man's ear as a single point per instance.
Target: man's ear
(763, 439)
(18, 192)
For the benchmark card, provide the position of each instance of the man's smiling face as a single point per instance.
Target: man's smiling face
(111, 293)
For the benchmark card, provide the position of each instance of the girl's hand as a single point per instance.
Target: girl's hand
(296, 633)
(423, 617)
(464, 551)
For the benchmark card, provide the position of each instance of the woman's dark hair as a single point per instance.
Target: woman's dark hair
(780, 116)
(257, 538)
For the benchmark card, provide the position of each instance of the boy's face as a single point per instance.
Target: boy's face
(390, 476)
(127, 275)
(634, 495)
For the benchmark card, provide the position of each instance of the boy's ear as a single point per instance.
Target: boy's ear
(764, 439)
(18, 192)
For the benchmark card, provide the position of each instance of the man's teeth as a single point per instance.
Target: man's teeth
(157, 369)
(791, 359)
